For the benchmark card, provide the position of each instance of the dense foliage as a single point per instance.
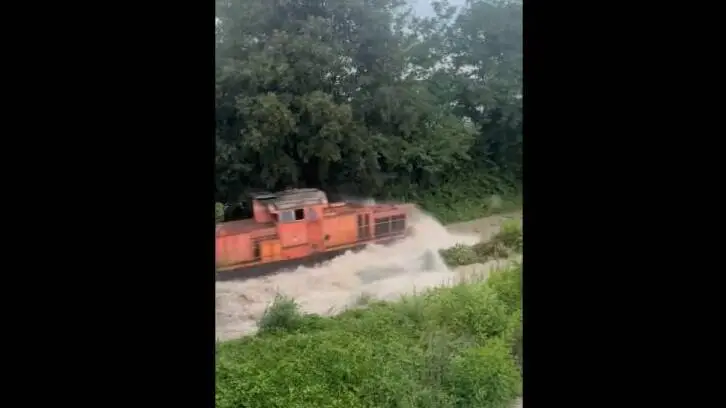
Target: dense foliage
(451, 347)
(364, 97)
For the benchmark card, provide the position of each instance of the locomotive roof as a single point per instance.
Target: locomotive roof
(294, 198)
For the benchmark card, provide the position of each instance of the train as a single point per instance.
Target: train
(301, 227)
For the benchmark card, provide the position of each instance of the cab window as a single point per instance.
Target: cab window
(287, 216)
(292, 215)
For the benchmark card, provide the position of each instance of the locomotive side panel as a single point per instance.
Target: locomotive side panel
(232, 249)
(270, 250)
(293, 234)
(340, 230)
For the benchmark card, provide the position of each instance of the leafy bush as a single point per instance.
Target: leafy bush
(459, 254)
(510, 235)
(218, 212)
(484, 376)
(513, 336)
(508, 287)
(283, 315)
(472, 309)
(490, 250)
(509, 239)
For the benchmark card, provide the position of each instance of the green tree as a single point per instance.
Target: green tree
(485, 45)
(360, 92)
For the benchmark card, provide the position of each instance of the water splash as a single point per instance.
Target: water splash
(382, 272)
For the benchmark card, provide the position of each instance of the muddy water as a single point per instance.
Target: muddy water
(381, 272)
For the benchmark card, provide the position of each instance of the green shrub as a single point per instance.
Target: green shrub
(508, 286)
(494, 249)
(510, 235)
(513, 336)
(218, 212)
(473, 309)
(484, 376)
(508, 240)
(459, 255)
(283, 315)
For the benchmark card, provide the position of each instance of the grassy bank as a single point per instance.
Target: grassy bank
(449, 347)
(458, 346)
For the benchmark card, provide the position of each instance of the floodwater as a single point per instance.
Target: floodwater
(379, 272)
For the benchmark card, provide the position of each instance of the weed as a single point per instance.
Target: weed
(282, 315)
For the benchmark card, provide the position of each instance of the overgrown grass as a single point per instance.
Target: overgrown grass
(449, 347)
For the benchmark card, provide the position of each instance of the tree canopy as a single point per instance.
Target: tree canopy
(365, 94)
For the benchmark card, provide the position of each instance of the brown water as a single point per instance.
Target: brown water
(381, 272)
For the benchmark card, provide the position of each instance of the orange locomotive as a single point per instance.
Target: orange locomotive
(295, 226)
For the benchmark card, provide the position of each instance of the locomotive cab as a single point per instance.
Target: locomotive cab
(289, 206)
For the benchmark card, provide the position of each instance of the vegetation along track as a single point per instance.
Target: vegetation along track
(380, 272)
